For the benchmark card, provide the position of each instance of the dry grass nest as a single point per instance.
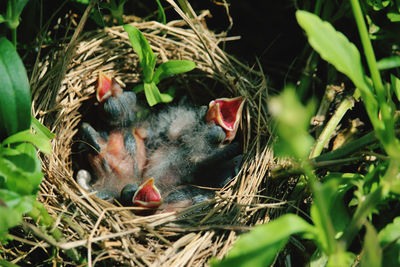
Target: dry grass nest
(104, 232)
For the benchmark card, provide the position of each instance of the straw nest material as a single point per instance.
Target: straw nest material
(102, 231)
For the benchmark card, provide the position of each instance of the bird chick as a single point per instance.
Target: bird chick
(185, 147)
(119, 107)
(153, 164)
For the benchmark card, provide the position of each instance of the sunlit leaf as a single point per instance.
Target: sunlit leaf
(393, 17)
(152, 93)
(147, 59)
(335, 48)
(172, 67)
(259, 247)
(40, 141)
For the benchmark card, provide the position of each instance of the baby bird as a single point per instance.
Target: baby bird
(119, 106)
(187, 146)
(157, 163)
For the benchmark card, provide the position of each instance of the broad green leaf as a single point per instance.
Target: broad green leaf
(389, 238)
(2, 19)
(15, 100)
(18, 180)
(41, 129)
(260, 246)
(152, 93)
(21, 204)
(372, 252)
(40, 141)
(26, 159)
(172, 67)
(389, 63)
(146, 56)
(335, 48)
(395, 85)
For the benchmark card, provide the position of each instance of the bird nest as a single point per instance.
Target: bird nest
(101, 231)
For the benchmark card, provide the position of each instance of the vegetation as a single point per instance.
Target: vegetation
(352, 188)
(344, 204)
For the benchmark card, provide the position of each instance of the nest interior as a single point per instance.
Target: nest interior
(102, 231)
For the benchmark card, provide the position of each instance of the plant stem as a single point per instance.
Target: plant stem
(14, 37)
(326, 221)
(368, 51)
(330, 127)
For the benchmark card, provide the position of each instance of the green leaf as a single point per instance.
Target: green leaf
(22, 172)
(40, 141)
(334, 188)
(26, 159)
(161, 14)
(8, 218)
(389, 239)
(395, 85)
(142, 48)
(12, 207)
(260, 246)
(172, 67)
(372, 255)
(15, 100)
(2, 19)
(335, 48)
(14, 10)
(21, 204)
(389, 63)
(41, 129)
(393, 17)
(378, 4)
(5, 263)
(138, 88)
(152, 93)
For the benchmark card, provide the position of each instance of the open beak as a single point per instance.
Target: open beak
(106, 87)
(226, 112)
(147, 196)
